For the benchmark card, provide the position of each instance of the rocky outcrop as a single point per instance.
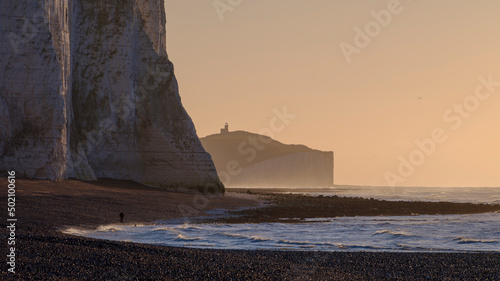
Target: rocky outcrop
(87, 91)
(245, 159)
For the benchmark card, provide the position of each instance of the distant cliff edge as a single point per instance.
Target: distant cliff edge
(245, 159)
(87, 91)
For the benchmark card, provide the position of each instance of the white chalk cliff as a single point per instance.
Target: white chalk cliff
(87, 91)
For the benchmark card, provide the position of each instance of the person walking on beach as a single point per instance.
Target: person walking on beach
(121, 216)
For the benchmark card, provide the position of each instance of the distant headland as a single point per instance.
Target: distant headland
(252, 160)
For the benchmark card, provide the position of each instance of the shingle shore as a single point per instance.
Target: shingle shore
(44, 253)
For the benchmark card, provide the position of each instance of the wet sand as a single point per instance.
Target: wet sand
(44, 253)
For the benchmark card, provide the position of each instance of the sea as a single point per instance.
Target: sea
(418, 233)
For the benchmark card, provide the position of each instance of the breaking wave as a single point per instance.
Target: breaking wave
(461, 240)
(109, 228)
(469, 233)
(392, 233)
(181, 237)
(258, 239)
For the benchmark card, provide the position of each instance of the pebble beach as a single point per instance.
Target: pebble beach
(43, 252)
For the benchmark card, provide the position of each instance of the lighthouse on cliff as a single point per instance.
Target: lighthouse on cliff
(225, 130)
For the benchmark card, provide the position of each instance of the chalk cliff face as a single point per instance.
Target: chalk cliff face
(87, 91)
(245, 159)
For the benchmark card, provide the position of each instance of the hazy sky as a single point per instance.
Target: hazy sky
(414, 73)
